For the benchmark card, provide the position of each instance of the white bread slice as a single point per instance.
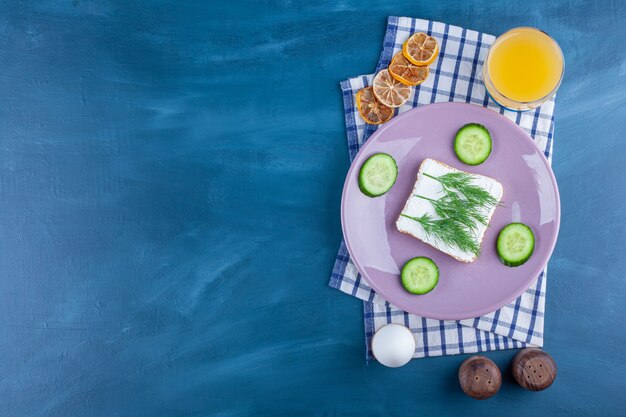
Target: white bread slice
(428, 187)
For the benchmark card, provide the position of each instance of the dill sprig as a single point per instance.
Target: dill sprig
(461, 182)
(460, 210)
(448, 231)
(451, 205)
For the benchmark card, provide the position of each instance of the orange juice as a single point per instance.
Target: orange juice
(523, 68)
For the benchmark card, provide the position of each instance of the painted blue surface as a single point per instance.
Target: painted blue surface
(170, 178)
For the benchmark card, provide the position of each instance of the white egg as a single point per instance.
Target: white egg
(393, 345)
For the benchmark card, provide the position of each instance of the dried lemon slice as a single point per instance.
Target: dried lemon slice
(405, 72)
(371, 110)
(389, 91)
(420, 49)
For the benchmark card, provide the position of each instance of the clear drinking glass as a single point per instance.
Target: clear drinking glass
(524, 68)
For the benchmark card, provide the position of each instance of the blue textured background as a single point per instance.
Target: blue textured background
(170, 178)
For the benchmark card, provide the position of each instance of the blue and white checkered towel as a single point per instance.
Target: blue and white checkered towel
(456, 75)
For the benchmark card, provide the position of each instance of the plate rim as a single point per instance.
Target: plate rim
(481, 311)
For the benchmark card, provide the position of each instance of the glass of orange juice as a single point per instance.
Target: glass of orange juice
(524, 68)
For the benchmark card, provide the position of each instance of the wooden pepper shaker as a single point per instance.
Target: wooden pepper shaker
(479, 377)
(533, 369)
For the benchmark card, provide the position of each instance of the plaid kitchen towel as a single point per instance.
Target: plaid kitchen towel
(456, 75)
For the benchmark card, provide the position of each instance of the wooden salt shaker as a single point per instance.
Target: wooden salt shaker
(479, 377)
(533, 369)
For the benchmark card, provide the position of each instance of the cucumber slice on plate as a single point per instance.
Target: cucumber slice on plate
(472, 144)
(378, 174)
(420, 275)
(516, 243)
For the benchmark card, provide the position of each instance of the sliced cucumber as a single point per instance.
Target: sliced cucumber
(420, 275)
(472, 144)
(516, 243)
(378, 174)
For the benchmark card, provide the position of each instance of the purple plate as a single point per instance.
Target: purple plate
(464, 290)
